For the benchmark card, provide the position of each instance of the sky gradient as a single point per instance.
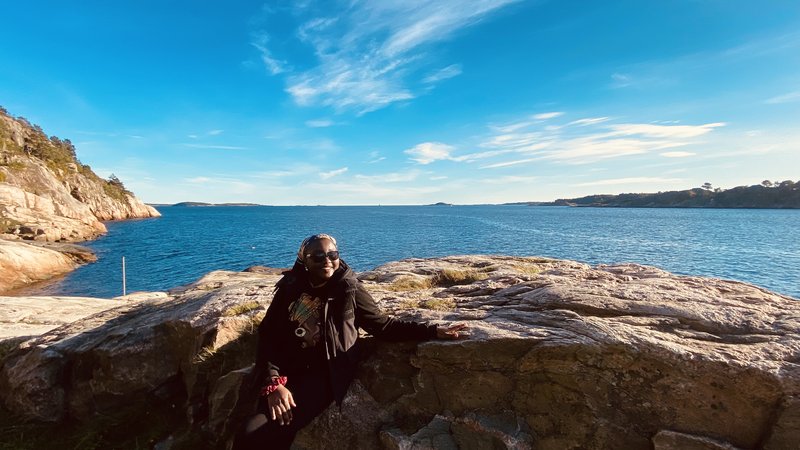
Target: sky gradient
(408, 102)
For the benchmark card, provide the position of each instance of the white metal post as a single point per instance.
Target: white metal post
(124, 290)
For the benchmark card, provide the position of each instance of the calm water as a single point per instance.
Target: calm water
(758, 246)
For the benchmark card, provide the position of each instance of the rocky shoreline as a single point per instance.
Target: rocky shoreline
(48, 199)
(562, 355)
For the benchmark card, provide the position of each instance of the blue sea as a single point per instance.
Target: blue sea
(757, 246)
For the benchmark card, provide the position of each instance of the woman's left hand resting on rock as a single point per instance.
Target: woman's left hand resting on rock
(458, 331)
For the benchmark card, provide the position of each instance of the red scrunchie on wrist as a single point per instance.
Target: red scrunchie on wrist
(273, 385)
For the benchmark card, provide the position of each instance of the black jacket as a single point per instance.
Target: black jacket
(347, 306)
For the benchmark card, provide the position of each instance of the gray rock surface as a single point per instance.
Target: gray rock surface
(562, 355)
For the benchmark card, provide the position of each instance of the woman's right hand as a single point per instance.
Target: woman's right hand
(280, 403)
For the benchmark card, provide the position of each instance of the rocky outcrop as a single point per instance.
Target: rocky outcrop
(22, 263)
(33, 316)
(47, 195)
(562, 355)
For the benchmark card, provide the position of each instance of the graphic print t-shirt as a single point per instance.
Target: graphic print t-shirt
(305, 313)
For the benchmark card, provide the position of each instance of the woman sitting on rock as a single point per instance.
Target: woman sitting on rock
(307, 343)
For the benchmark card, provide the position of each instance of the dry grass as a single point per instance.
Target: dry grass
(527, 269)
(408, 283)
(452, 277)
(439, 304)
(408, 303)
(241, 308)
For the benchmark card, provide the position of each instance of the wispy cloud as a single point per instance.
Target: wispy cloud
(215, 147)
(215, 132)
(589, 121)
(319, 123)
(273, 65)
(664, 131)
(784, 98)
(583, 141)
(450, 71)
(428, 152)
(548, 115)
(332, 173)
(509, 163)
(620, 80)
(677, 154)
(368, 54)
(375, 157)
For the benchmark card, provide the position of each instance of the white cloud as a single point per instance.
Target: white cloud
(589, 121)
(428, 152)
(319, 123)
(369, 53)
(510, 163)
(514, 140)
(664, 131)
(332, 173)
(273, 65)
(631, 180)
(591, 140)
(785, 98)
(198, 180)
(677, 154)
(450, 71)
(215, 132)
(375, 157)
(548, 115)
(483, 155)
(620, 80)
(592, 149)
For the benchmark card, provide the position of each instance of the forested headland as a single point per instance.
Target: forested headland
(768, 194)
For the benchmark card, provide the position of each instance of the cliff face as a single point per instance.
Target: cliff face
(562, 355)
(47, 195)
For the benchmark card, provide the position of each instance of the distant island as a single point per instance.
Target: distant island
(778, 195)
(214, 204)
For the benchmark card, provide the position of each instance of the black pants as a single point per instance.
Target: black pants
(311, 393)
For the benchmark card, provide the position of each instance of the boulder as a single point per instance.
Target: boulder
(561, 355)
(22, 263)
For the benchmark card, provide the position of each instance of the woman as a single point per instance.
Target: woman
(306, 343)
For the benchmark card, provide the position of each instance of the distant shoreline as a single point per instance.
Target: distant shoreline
(767, 195)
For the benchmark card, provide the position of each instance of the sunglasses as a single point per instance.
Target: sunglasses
(333, 255)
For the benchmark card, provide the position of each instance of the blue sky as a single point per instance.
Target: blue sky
(408, 102)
